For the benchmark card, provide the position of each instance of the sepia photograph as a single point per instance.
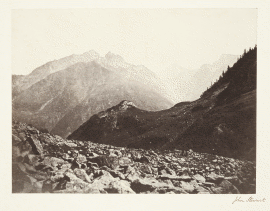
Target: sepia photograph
(102, 100)
(146, 101)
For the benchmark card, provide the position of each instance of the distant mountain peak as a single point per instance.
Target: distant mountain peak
(112, 56)
(91, 53)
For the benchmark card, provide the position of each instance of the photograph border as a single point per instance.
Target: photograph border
(139, 202)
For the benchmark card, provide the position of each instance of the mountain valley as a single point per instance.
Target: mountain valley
(91, 124)
(221, 121)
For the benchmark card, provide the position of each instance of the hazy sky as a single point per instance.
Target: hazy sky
(156, 38)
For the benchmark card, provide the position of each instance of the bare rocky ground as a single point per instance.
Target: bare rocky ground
(45, 163)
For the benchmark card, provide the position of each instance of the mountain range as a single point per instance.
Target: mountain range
(64, 99)
(222, 121)
(62, 94)
(141, 145)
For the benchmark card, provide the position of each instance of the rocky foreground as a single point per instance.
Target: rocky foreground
(45, 163)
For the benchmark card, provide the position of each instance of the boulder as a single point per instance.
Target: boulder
(92, 154)
(106, 182)
(70, 144)
(147, 184)
(114, 173)
(187, 186)
(167, 159)
(119, 186)
(75, 184)
(92, 165)
(199, 178)
(104, 160)
(32, 159)
(29, 168)
(132, 176)
(80, 173)
(208, 184)
(144, 168)
(201, 190)
(81, 158)
(53, 161)
(75, 164)
(36, 145)
(57, 176)
(164, 170)
(144, 159)
(225, 187)
(66, 157)
(124, 161)
(214, 177)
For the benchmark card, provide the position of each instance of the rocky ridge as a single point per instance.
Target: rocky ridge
(45, 163)
(110, 61)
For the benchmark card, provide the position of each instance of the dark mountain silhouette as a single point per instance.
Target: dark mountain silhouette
(222, 121)
(241, 78)
(63, 100)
